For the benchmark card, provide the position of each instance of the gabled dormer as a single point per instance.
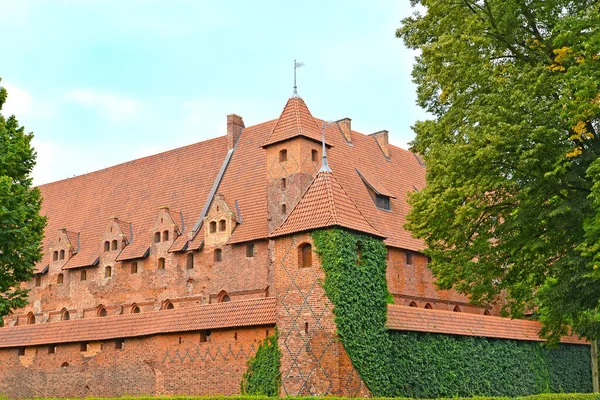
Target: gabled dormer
(167, 226)
(293, 153)
(65, 244)
(219, 223)
(116, 236)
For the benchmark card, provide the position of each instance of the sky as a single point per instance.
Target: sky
(104, 82)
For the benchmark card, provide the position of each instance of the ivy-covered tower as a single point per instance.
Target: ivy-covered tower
(313, 360)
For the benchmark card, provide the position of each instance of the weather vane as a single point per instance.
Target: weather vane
(297, 64)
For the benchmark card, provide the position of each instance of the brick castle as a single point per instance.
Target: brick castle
(162, 275)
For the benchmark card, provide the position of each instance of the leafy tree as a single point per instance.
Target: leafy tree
(21, 226)
(511, 210)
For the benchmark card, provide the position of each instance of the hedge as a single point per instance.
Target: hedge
(408, 364)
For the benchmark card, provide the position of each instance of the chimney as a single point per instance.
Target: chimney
(235, 126)
(345, 125)
(381, 138)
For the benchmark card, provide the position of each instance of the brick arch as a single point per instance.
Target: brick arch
(223, 297)
(101, 311)
(167, 305)
(65, 315)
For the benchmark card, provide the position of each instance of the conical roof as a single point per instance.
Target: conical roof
(325, 204)
(295, 120)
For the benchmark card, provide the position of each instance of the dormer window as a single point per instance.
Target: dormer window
(165, 236)
(382, 202)
(114, 245)
(222, 225)
(156, 237)
(107, 246)
(55, 256)
(61, 255)
(213, 226)
(283, 155)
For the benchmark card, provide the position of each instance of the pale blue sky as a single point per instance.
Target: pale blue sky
(103, 82)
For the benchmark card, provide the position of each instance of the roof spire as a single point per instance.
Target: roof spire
(297, 64)
(324, 164)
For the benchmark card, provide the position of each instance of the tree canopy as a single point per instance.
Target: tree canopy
(21, 226)
(511, 210)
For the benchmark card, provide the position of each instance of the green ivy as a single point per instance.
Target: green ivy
(420, 365)
(262, 378)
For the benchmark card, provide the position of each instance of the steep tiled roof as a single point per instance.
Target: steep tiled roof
(405, 318)
(213, 316)
(325, 203)
(295, 120)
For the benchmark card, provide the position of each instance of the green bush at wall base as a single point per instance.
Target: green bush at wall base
(409, 364)
(262, 378)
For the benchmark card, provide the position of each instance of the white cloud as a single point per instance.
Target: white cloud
(18, 102)
(115, 107)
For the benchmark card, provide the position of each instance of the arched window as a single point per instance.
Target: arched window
(102, 311)
(428, 306)
(314, 155)
(107, 246)
(213, 226)
(64, 315)
(167, 305)
(156, 237)
(61, 255)
(59, 279)
(487, 312)
(223, 297)
(282, 155)
(165, 236)
(305, 255)
(222, 225)
(413, 304)
(161, 263)
(135, 309)
(30, 319)
(55, 256)
(108, 272)
(218, 256)
(114, 245)
(83, 275)
(456, 309)
(189, 263)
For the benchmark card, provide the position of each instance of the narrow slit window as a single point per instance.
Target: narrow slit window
(314, 155)
(189, 264)
(108, 272)
(217, 255)
(283, 209)
(250, 250)
(134, 267)
(83, 275)
(161, 263)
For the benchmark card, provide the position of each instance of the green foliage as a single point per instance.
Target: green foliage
(393, 363)
(561, 396)
(262, 377)
(21, 226)
(512, 201)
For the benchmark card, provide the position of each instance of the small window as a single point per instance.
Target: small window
(61, 255)
(283, 209)
(165, 236)
(55, 256)
(487, 312)
(114, 245)
(102, 312)
(83, 346)
(107, 246)
(135, 309)
(21, 351)
(382, 202)
(305, 255)
(30, 319)
(413, 304)
(213, 226)
(134, 267)
(428, 306)
(204, 336)
(156, 237)
(235, 336)
(456, 309)
(250, 250)
(189, 261)
(168, 305)
(64, 365)
(283, 183)
(52, 349)
(108, 272)
(222, 225)
(409, 258)
(59, 279)
(83, 275)
(224, 298)
(65, 315)
(161, 263)
(314, 155)
(38, 280)
(283, 156)
(119, 344)
(217, 255)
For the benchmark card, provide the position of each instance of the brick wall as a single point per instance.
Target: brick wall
(157, 365)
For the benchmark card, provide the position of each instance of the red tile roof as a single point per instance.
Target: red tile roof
(325, 203)
(295, 120)
(405, 318)
(252, 312)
